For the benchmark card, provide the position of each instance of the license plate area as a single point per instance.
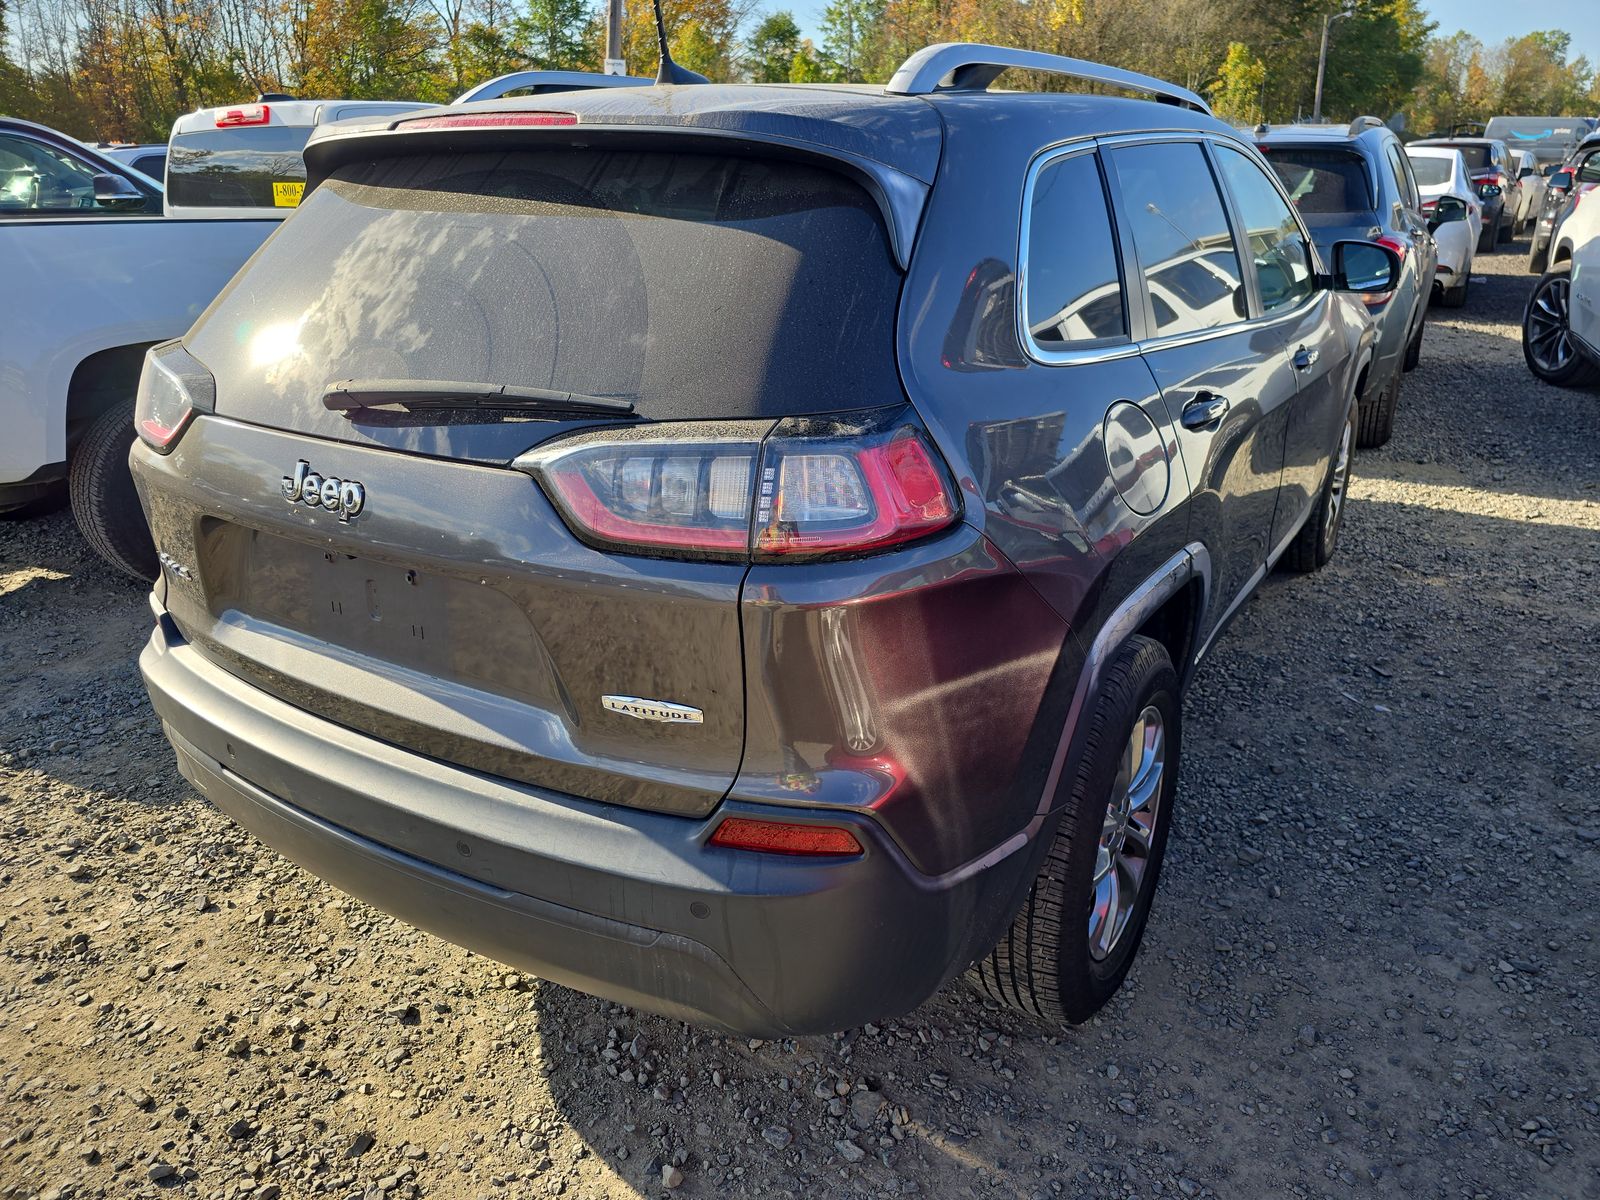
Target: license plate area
(445, 626)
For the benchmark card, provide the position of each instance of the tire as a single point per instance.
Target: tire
(1456, 297)
(1508, 230)
(1318, 538)
(1538, 256)
(1414, 346)
(1547, 344)
(104, 501)
(1490, 235)
(1375, 417)
(1047, 964)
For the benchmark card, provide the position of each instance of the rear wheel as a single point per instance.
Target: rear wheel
(1070, 946)
(1375, 416)
(1538, 256)
(1490, 234)
(1547, 342)
(1456, 297)
(104, 501)
(1318, 538)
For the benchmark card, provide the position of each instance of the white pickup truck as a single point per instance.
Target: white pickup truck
(96, 266)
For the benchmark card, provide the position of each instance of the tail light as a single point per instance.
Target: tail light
(172, 387)
(784, 837)
(245, 114)
(807, 488)
(1429, 207)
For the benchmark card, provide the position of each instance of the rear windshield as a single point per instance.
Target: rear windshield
(236, 168)
(695, 285)
(1430, 172)
(1327, 186)
(1476, 154)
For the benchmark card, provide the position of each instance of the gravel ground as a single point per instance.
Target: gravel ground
(1371, 968)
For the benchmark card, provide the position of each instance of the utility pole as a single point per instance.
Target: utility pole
(615, 65)
(1322, 58)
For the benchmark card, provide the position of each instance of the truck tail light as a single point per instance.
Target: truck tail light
(245, 114)
(806, 488)
(172, 387)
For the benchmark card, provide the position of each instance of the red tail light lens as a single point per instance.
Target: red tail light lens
(492, 120)
(1429, 206)
(783, 837)
(748, 490)
(841, 499)
(245, 114)
(172, 387)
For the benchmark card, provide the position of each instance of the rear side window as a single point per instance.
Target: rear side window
(1073, 284)
(257, 167)
(1180, 229)
(1402, 176)
(694, 285)
(153, 165)
(1326, 186)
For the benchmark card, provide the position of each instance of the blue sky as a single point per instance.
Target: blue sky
(1490, 21)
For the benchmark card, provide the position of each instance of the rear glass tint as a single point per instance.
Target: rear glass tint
(1475, 154)
(235, 168)
(1326, 186)
(1430, 172)
(694, 285)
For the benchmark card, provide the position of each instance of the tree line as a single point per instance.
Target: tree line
(123, 69)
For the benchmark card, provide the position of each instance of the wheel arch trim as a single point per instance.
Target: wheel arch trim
(1191, 563)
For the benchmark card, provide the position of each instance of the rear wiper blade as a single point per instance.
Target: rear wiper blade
(350, 395)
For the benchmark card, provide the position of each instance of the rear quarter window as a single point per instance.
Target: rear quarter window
(1073, 284)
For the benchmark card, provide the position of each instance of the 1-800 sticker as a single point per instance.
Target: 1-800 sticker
(287, 195)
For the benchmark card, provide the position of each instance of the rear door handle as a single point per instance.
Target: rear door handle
(1305, 359)
(1204, 411)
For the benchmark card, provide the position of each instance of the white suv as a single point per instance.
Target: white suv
(243, 160)
(1561, 327)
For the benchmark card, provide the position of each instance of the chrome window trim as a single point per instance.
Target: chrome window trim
(1124, 347)
(1093, 354)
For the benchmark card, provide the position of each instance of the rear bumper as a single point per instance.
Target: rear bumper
(628, 905)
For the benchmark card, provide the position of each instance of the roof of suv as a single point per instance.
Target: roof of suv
(904, 132)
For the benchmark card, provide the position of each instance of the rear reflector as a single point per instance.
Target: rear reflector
(491, 120)
(245, 114)
(781, 837)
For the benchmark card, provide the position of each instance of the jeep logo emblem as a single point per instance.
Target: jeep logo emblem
(343, 496)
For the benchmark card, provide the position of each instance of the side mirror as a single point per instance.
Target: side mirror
(1449, 208)
(1561, 181)
(1551, 169)
(117, 193)
(1525, 172)
(1490, 190)
(1364, 267)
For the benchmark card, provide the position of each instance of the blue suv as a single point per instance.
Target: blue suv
(1355, 182)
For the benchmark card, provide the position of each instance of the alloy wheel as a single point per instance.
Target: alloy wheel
(1338, 482)
(1127, 836)
(1549, 340)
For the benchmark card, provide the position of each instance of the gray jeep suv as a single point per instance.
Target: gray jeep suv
(739, 550)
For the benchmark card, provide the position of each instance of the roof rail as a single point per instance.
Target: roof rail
(547, 81)
(972, 67)
(1364, 123)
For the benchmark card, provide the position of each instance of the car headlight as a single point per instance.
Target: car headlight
(173, 386)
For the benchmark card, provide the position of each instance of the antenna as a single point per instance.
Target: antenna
(669, 71)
